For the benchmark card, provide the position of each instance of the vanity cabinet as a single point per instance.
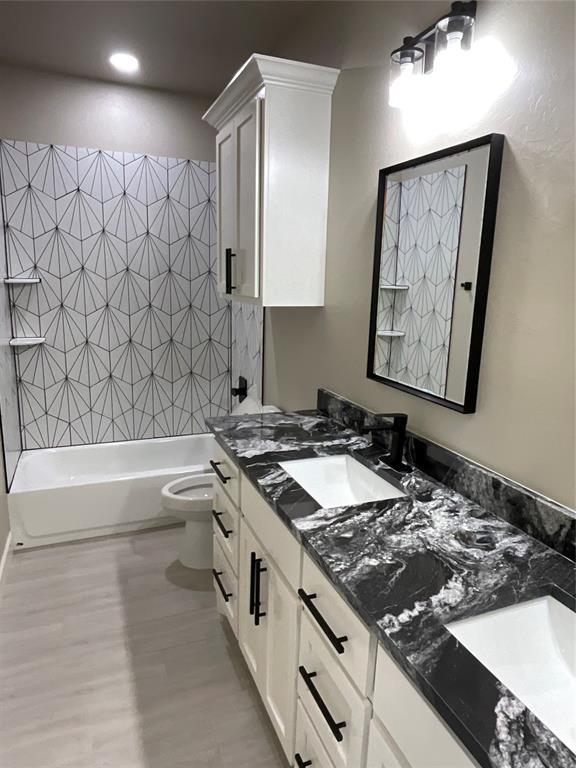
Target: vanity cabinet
(251, 634)
(344, 633)
(272, 166)
(269, 612)
(401, 709)
(335, 697)
(226, 585)
(309, 750)
(381, 753)
(226, 524)
(338, 712)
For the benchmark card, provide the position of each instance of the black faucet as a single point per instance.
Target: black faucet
(397, 426)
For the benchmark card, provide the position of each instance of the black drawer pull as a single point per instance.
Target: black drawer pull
(214, 465)
(225, 595)
(252, 564)
(321, 621)
(258, 571)
(224, 531)
(300, 762)
(331, 723)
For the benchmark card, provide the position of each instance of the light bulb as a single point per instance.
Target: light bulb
(460, 90)
(125, 63)
(454, 40)
(404, 88)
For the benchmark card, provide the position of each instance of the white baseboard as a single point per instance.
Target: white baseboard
(4, 558)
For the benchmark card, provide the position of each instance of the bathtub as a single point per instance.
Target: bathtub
(78, 492)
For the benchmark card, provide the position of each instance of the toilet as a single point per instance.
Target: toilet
(190, 499)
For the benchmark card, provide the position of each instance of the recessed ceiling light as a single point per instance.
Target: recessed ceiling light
(125, 63)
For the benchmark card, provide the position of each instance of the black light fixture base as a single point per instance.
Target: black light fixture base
(241, 391)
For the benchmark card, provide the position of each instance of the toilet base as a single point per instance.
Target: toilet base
(195, 544)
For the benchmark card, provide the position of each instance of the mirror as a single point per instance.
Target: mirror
(434, 234)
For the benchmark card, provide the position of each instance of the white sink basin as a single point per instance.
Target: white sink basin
(531, 648)
(339, 481)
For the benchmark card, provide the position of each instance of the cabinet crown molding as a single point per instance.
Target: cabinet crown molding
(260, 71)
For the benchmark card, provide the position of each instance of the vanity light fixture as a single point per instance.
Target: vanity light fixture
(442, 43)
(125, 63)
(406, 66)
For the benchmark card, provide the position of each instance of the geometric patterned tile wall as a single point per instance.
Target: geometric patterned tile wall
(11, 438)
(137, 339)
(420, 242)
(248, 328)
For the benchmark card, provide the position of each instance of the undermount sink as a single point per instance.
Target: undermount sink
(531, 648)
(339, 481)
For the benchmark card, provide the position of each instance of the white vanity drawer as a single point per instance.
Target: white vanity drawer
(226, 525)
(382, 752)
(227, 474)
(278, 542)
(334, 620)
(338, 712)
(226, 586)
(308, 749)
(402, 709)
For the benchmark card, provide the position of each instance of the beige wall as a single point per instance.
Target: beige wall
(52, 108)
(524, 424)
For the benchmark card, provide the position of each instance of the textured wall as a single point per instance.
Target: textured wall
(137, 339)
(526, 396)
(85, 113)
(247, 330)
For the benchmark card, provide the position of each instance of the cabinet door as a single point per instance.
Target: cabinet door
(251, 636)
(226, 203)
(246, 264)
(381, 753)
(282, 610)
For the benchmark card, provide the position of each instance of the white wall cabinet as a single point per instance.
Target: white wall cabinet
(272, 158)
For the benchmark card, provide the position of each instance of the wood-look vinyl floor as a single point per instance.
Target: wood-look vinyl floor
(112, 655)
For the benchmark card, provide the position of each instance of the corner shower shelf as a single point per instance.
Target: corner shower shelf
(386, 287)
(391, 334)
(21, 280)
(31, 341)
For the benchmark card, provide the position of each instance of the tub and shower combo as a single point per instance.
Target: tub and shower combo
(79, 492)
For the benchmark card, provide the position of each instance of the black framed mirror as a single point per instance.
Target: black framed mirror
(434, 234)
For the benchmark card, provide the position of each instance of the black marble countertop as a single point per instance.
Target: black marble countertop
(408, 566)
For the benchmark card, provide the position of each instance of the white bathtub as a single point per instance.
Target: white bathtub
(62, 494)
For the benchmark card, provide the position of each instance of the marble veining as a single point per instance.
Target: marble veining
(408, 566)
(549, 522)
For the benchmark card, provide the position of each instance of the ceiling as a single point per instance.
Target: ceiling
(182, 46)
